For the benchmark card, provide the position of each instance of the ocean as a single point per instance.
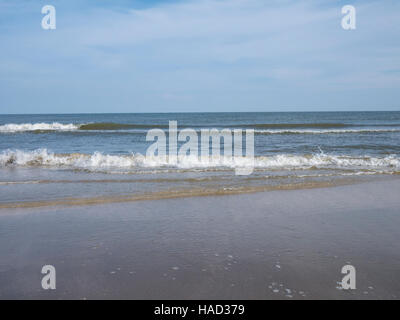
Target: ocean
(94, 158)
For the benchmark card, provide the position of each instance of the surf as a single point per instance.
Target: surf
(99, 160)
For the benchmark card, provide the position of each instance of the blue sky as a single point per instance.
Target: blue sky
(199, 55)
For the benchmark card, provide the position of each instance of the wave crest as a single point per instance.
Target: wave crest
(97, 160)
(258, 128)
(55, 126)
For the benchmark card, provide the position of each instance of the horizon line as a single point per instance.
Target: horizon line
(194, 112)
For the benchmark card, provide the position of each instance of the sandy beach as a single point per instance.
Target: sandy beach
(199, 150)
(288, 244)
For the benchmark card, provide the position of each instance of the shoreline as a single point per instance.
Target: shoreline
(287, 244)
(185, 193)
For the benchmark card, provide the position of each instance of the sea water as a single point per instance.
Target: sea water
(98, 156)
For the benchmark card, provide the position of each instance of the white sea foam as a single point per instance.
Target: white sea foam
(357, 173)
(44, 158)
(325, 131)
(55, 126)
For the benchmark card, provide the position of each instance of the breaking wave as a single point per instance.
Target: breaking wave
(316, 128)
(55, 126)
(97, 160)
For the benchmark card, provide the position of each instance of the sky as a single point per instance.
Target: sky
(199, 56)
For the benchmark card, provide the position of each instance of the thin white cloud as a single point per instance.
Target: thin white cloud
(189, 52)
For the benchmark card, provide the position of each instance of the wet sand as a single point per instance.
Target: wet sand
(286, 244)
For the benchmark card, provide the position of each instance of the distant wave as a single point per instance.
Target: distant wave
(297, 125)
(330, 128)
(314, 125)
(325, 131)
(118, 126)
(55, 126)
(44, 158)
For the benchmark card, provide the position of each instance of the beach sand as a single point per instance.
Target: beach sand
(287, 244)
